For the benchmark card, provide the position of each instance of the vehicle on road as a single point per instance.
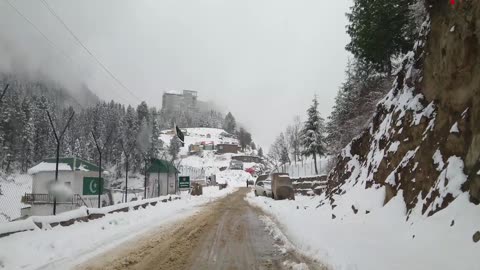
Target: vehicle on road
(282, 187)
(236, 165)
(263, 188)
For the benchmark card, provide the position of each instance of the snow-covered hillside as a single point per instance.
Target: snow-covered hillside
(199, 135)
(404, 193)
(208, 161)
(377, 237)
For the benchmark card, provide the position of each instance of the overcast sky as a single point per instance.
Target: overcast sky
(263, 60)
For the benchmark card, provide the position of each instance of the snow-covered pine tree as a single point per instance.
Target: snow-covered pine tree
(43, 139)
(312, 134)
(157, 144)
(174, 148)
(229, 124)
(27, 135)
(260, 152)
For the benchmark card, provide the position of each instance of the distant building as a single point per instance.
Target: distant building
(175, 101)
(77, 185)
(248, 159)
(224, 148)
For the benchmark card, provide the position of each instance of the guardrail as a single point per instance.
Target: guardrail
(82, 214)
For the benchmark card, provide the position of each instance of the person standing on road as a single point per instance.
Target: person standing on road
(247, 182)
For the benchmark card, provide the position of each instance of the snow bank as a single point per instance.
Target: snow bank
(380, 238)
(64, 247)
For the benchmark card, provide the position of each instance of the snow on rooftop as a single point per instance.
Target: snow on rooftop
(173, 92)
(49, 167)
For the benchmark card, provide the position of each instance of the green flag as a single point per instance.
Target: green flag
(91, 185)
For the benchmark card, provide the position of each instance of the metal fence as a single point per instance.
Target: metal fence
(12, 188)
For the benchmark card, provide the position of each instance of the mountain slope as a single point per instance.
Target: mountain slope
(424, 140)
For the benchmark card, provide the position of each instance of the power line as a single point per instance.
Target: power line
(50, 42)
(50, 9)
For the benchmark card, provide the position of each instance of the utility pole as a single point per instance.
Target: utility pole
(99, 149)
(58, 138)
(158, 184)
(126, 152)
(145, 181)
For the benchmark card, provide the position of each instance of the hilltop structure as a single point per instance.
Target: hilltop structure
(175, 101)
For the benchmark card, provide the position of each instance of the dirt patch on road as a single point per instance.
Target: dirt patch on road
(163, 248)
(226, 234)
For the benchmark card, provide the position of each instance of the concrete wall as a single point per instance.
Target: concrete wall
(42, 180)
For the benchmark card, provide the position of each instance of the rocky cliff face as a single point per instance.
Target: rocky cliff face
(424, 140)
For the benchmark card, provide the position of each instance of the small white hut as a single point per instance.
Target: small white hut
(162, 178)
(77, 185)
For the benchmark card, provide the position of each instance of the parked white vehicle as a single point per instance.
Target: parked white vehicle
(263, 188)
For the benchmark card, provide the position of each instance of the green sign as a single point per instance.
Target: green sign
(91, 185)
(184, 181)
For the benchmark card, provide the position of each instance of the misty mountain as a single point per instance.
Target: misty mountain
(60, 95)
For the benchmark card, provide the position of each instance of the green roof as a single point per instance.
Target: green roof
(161, 166)
(76, 164)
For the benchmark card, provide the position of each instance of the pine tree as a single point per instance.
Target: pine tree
(260, 152)
(157, 144)
(355, 104)
(244, 138)
(174, 148)
(28, 133)
(379, 30)
(312, 134)
(229, 124)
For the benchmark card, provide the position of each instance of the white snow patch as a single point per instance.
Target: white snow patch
(438, 160)
(393, 147)
(454, 128)
(349, 240)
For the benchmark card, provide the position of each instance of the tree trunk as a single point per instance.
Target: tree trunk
(315, 161)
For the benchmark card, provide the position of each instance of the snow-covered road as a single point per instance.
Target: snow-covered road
(227, 234)
(64, 247)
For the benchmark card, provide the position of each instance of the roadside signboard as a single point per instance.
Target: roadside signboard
(184, 182)
(91, 185)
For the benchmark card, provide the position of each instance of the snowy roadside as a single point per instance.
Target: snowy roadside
(380, 239)
(65, 247)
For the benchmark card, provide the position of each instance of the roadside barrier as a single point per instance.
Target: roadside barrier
(82, 214)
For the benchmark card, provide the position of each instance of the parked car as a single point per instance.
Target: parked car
(262, 177)
(236, 165)
(263, 188)
(282, 187)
